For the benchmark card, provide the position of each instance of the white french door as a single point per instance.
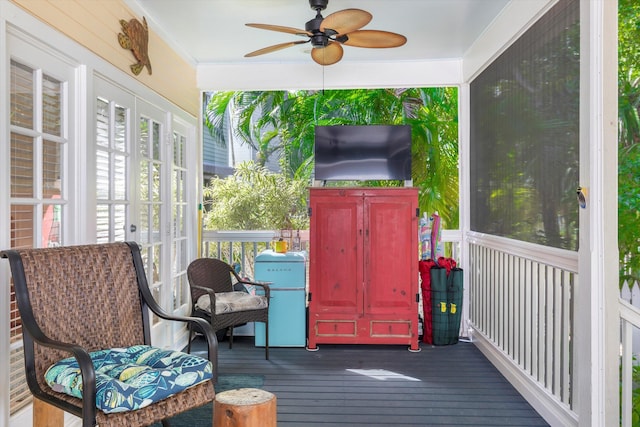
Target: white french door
(153, 214)
(130, 165)
(181, 194)
(39, 189)
(113, 145)
(141, 194)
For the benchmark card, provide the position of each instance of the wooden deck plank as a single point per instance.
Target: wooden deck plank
(439, 386)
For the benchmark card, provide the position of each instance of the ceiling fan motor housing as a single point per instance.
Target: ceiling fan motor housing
(318, 39)
(318, 4)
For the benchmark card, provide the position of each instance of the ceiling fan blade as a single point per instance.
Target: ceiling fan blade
(328, 55)
(346, 21)
(375, 39)
(280, 28)
(273, 48)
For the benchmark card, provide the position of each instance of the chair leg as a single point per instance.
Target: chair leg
(231, 337)
(266, 340)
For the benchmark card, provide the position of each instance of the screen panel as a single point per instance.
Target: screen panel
(525, 135)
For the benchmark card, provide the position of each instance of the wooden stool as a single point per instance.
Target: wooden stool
(245, 407)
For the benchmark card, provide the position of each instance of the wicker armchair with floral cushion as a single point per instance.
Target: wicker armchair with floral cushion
(212, 284)
(85, 322)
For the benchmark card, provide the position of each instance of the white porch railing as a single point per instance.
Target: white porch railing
(243, 246)
(520, 308)
(236, 246)
(521, 314)
(629, 349)
(630, 293)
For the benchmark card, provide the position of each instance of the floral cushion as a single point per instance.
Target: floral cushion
(228, 302)
(131, 378)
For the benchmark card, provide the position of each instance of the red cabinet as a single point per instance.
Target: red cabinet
(363, 276)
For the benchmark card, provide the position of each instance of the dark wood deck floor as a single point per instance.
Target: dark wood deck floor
(365, 385)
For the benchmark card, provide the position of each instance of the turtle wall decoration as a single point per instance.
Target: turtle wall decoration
(135, 37)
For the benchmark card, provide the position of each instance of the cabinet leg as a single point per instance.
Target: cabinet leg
(311, 345)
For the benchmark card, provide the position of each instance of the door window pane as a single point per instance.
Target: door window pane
(102, 122)
(120, 122)
(156, 214)
(102, 223)
(119, 177)
(156, 141)
(51, 106)
(143, 181)
(51, 225)
(22, 226)
(22, 154)
(22, 93)
(155, 182)
(102, 174)
(119, 222)
(51, 164)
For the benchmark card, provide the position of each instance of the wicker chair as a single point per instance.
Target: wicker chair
(79, 299)
(211, 283)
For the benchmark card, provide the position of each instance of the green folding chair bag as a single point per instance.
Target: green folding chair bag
(454, 300)
(439, 306)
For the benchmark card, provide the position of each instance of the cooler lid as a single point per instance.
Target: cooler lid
(271, 256)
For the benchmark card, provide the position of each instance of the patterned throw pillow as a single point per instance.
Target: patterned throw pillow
(131, 378)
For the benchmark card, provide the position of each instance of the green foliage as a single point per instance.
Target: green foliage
(635, 393)
(255, 199)
(629, 71)
(283, 123)
(629, 140)
(629, 214)
(635, 398)
(628, 35)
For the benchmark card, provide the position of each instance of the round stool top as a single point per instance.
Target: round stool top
(244, 396)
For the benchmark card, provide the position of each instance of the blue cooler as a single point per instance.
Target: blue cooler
(287, 307)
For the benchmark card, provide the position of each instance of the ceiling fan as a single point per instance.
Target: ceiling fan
(327, 35)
